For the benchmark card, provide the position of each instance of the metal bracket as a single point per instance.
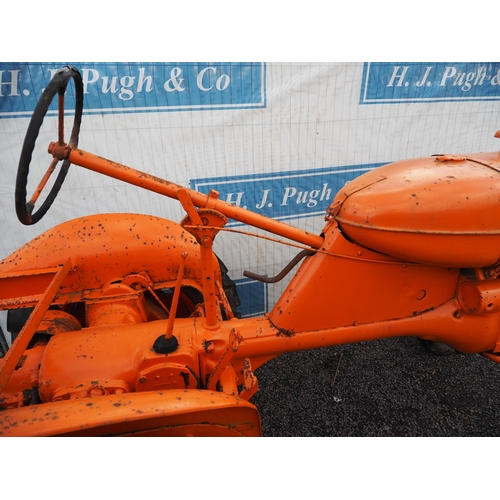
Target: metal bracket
(225, 359)
(9, 362)
(250, 382)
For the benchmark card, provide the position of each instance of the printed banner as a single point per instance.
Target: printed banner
(283, 195)
(253, 296)
(137, 87)
(429, 82)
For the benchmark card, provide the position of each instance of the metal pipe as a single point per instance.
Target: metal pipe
(175, 299)
(170, 189)
(284, 271)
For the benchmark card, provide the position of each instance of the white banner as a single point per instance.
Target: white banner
(278, 138)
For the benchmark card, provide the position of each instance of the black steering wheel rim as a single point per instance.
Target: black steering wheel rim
(58, 86)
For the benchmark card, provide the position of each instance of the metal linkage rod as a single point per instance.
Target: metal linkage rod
(170, 189)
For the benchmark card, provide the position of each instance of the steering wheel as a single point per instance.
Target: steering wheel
(57, 85)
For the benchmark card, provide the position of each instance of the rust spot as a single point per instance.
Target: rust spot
(185, 377)
(286, 333)
(21, 362)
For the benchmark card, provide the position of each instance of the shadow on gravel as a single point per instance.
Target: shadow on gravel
(389, 387)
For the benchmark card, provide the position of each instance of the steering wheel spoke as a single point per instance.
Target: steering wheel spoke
(57, 85)
(43, 182)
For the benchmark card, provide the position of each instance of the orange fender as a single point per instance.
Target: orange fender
(158, 413)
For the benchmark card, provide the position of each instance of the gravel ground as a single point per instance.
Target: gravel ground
(388, 387)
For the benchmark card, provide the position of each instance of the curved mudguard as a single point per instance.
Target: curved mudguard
(156, 413)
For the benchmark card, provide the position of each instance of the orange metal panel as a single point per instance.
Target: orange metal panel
(348, 284)
(158, 413)
(111, 246)
(436, 211)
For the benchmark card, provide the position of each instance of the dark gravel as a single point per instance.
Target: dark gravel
(388, 387)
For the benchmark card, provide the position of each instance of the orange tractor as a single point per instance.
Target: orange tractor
(126, 324)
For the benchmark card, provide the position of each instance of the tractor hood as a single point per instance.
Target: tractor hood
(442, 210)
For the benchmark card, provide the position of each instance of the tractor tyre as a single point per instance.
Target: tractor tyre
(436, 348)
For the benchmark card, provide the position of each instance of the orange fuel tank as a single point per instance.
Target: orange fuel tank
(442, 210)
